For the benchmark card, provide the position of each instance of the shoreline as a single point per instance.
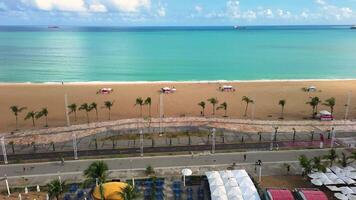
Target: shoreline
(183, 81)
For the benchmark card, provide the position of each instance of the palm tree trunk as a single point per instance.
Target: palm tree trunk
(88, 117)
(203, 111)
(282, 114)
(149, 110)
(246, 110)
(46, 121)
(141, 110)
(75, 115)
(16, 122)
(33, 121)
(109, 114)
(96, 112)
(225, 112)
(213, 109)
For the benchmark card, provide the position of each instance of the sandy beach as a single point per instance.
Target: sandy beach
(266, 95)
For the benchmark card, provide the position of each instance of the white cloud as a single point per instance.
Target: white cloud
(61, 5)
(283, 13)
(321, 2)
(233, 9)
(198, 8)
(131, 5)
(161, 11)
(249, 15)
(97, 7)
(266, 13)
(3, 6)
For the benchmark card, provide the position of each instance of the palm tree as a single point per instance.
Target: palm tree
(12, 146)
(248, 101)
(73, 109)
(223, 106)
(331, 156)
(344, 160)
(43, 112)
(139, 102)
(353, 156)
(55, 189)
(87, 108)
(95, 107)
(16, 110)
(109, 105)
(31, 115)
(318, 165)
(314, 102)
(213, 102)
(148, 102)
(282, 103)
(306, 164)
(97, 171)
(129, 193)
(202, 105)
(330, 103)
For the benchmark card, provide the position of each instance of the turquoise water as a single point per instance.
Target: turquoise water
(39, 54)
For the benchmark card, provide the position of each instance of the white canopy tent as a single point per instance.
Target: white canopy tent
(231, 185)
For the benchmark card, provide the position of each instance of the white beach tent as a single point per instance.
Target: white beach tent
(340, 196)
(316, 182)
(346, 190)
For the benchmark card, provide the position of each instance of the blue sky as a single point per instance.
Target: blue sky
(176, 12)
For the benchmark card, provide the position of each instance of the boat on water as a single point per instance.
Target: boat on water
(353, 27)
(53, 27)
(239, 27)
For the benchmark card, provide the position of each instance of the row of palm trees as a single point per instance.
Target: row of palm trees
(96, 173)
(314, 102)
(316, 163)
(73, 108)
(140, 102)
(16, 110)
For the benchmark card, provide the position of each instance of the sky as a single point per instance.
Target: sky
(176, 12)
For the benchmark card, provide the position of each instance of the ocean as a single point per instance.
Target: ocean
(81, 54)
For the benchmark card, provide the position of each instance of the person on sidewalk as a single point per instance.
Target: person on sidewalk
(245, 157)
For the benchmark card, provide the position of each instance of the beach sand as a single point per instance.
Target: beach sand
(266, 95)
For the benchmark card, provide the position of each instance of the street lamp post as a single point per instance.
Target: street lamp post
(132, 177)
(75, 146)
(66, 109)
(333, 135)
(141, 142)
(294, 132)
(347, 106)
(7, 186)
(3, 147)
(213, 141)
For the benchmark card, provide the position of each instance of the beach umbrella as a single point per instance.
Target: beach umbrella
(346, 190)
(20, 197)
(340, 196)
(26, 190)
(38, 188)
(316, 182)
(186, 172)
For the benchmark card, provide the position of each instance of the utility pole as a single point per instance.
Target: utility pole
(271, 146)
(75, 147)
(141, 142)
(161, 111)
(66, 109)
(3, 147)
(213, 142)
